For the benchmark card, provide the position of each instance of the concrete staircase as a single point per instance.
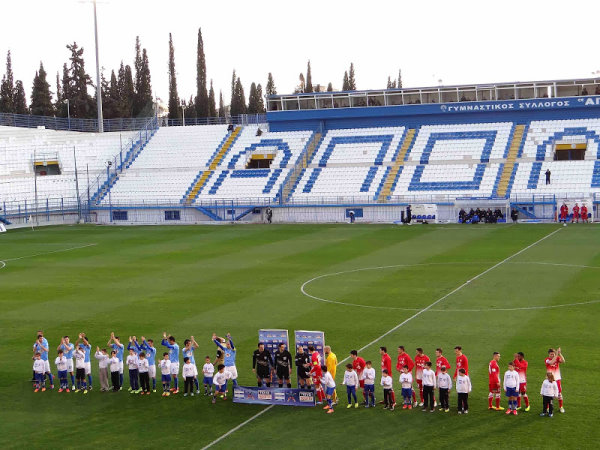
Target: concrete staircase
(294, 177)
(392, 176)
(203, 177)
(509, 165)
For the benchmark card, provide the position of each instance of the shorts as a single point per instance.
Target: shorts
(283, 373)
(369, 387)
(47, 366)
(420, 383)
(70, 365)
(174, 368)
(88, 368)
(80, 374)
(361, 383)
(512, 392)
(260, 373)
(330, 390)
(208, 381)
(233, 371)
(494, 388)
(523, 388)
(121, 367)
(152, 371)
(406, 392)
(221, 388)
(303, 374)
(166, 378)
(62, 374)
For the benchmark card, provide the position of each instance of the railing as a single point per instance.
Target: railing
(44, 207)
(124, 124)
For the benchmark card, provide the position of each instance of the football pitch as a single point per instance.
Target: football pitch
(487, 288)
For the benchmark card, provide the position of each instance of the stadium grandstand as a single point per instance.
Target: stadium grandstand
(316, 157)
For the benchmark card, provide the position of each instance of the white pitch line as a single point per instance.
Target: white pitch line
(233, 430)
(4, 261)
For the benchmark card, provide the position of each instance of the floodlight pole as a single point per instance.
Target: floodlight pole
(98, 85)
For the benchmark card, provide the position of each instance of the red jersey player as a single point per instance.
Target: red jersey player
(404, 359)
(358, 364)
(316, 373)
(584, 213)
(461, 361)
(521, 368)
(420, 360)
(553, 362)
(386, 363)
(494, 382)
(575, 213)
(564, 213)
(440, 361)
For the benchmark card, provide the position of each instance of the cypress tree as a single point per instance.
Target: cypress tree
(82, 105)
(233, 103)
(345, 83)
(271, 89)
(238, 105)
(399, 78)
(41, 97)
(252, 102)
(126, 91)
(308, 87)
(20, 101)
(7, 88)
(351, 78)
(212, 107)
(59, 96)
(142, 100)
(111, 101)
(190, 108)
(173, 96)
(260, 104)
(202, 104)
(330, 87)
(222, 112)
(65, 92)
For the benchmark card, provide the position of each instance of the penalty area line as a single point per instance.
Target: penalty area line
(4, 261)
(417, 314)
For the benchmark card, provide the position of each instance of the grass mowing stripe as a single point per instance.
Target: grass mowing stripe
(401, 324)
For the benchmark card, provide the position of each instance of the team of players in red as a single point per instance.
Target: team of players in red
(578, 213)
(553, 362)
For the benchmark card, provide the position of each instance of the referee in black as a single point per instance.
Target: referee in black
(283, 366)
(302, 361)
(262, 364)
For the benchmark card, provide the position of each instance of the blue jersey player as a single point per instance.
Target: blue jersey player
(229, 353)
(174, 358)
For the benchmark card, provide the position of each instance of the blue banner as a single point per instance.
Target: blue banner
(272, 338)
(315, 338)
(273, 396)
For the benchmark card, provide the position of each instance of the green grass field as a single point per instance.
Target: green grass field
(238, 279)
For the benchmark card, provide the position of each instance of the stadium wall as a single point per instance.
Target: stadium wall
(519, 111)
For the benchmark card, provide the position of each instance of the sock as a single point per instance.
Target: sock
(235, 383)
(153, 383)
(197, 384)
(526, 401)
(518, 402)
(120, 379)
(50, 377)
(414, 396)
(393, 395)
(560, 402)
(90, 380)
(176, 383)
(421, 394)
(72, 380)
(497, 401)
(330, 403)
(490, 398)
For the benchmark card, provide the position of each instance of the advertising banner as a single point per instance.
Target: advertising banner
(273, 396)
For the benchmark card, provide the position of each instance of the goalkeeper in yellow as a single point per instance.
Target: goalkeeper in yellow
(331, 362)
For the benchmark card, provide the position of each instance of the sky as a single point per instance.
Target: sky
(457, 42)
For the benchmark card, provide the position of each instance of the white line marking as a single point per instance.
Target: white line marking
(4, 261)
(233, 430)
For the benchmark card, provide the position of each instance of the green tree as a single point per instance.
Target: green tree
(238, 99)
(174, 112)
(82, 105)
(212, 107)
(345, 83)
(189, 107)
(111, 100)
(59, 95)
(351, 78)
(202, 103)
(221, 111)
(308, 87)
(260, 104)
(391, 84)
(41, 97)
(64, 93)
(126, 89)
(270, 89)
(142, 99)
(7, 88)
(252, 101)
(399, 78)
(232, 102)
(330, 87)
(20, 101)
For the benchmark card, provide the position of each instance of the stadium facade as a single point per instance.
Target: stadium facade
(317, 157)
